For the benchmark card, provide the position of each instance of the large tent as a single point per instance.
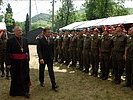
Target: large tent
(90, 23)
(127, 19)
(117, 20)
(72, 26)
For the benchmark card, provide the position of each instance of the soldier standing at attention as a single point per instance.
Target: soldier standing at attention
(72, 47)
(118, 54)
(105, 53)
(3, 41)
(55, 48)
(80, 41)
(2, 51)
(86, 52)
(95, 46)
(129, 59)
(60, 51)
(65, 47)
(112, 36)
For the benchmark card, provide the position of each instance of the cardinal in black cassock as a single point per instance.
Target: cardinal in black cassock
(17, 58)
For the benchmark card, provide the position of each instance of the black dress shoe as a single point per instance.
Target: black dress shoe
(117, 82)
(85, 71)
(95, 75)
(104, 78)
(3, 75)
(71, 65)
(80, 68)
(42, 84)
(27, 95)
(55, 88)
(66, 63)
(7, 77)
(92, 74)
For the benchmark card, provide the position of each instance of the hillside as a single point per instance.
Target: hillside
(41, 16)
(48, 17)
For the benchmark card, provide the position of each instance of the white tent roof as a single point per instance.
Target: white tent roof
(99, 22)
(90, 23)
(2, 25)
(117, 20)
(71, 26)
(129, 19)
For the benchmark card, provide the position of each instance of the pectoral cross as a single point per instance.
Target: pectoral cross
(22, 49)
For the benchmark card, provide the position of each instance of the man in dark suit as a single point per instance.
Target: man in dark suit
(45, 50)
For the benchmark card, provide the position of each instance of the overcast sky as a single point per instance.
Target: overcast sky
(21, 7)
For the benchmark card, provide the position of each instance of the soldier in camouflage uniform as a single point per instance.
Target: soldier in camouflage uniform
(72, 49)
(2, 54)
(105, 53)
(119, 43)
(80, 40)
(65, 47)
(95, 46)
(112, 36)
(129, 59)
(87, 52)
(60, 51)
(55, 48)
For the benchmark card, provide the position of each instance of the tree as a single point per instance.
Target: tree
(118, 9)
(80, 16)
(0, 2)
(1, 18)
(10, 22)
(27, 24)
(65, 14)
(104, 8)
(90, 9)
(1, 11)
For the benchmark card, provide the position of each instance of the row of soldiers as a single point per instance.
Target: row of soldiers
(93, 50)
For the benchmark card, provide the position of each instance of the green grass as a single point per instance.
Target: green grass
(73, 85)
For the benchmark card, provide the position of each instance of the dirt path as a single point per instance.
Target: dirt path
(73, 85)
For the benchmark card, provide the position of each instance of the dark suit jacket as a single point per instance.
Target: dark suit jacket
(45, 49)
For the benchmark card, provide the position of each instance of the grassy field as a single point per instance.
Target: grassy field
(73, 85)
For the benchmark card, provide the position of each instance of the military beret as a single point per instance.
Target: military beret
(96, 30)
(120, 25)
